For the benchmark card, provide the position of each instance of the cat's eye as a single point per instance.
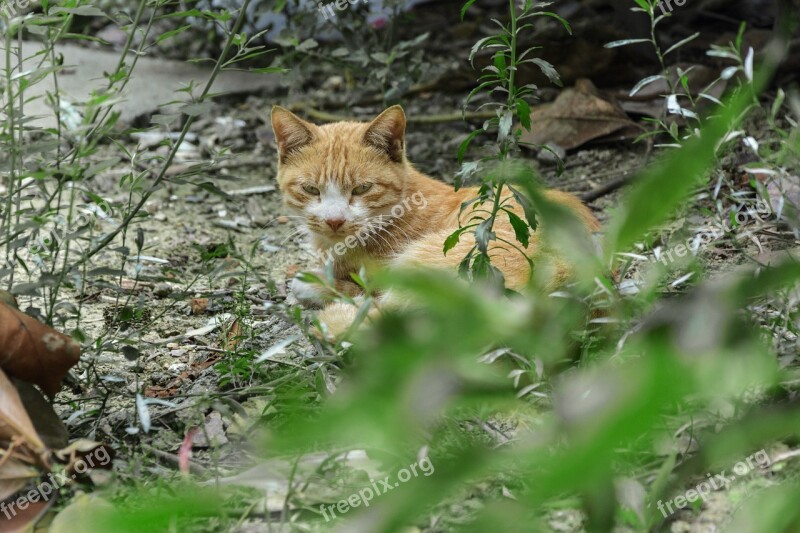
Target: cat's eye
(361, 189)
(310, 189)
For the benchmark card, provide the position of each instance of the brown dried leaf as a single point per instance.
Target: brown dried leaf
(199, 305)
(14, 475)
(33, 352)
(784, 193)
(15, 425)
(47, 423)
(23, 519)
(234, 335)
(578, 116)
(93, 455)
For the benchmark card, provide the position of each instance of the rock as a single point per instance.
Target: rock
(212, 434)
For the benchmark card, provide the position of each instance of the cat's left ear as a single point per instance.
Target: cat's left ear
(388, 132)
(291, 132)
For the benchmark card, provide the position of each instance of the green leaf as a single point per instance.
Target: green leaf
(664, 187)
(465, 7)
(548, 70)
(484, 234)
(172, 33)
(527, 207)
(462, 149)
(559, 18)
(521, 229)
(308, 44)
(645, 82)
(212, 188)
(82, 11)
(681, 43)
(452, 239)
(524, 113)
(269, 70)
(625, 42)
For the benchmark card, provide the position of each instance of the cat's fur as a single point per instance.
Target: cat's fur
(336, 159)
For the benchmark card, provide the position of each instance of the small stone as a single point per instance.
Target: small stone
(283, 219)
(162, 290)
(212, 434)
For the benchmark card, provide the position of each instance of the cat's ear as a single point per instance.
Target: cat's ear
(388, 132)
(291, 132)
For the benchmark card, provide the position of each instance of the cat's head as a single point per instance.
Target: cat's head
(341, 176)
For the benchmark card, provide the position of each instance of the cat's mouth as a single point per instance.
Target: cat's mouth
(332, 235)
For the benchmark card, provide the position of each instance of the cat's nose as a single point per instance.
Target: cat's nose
(335, 223)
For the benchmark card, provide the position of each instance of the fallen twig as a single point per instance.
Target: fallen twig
(170, 459)
(606, 188)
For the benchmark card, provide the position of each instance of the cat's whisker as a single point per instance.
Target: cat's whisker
(381, 226)
(414, 232)
(297, 231)
(393, 246)
(373, 235)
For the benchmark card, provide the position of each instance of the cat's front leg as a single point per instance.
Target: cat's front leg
(308, 294)
(317, 295)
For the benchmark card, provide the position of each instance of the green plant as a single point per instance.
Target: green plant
(683, 107)
(496, 170)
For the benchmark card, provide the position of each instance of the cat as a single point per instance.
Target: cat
(364, 204)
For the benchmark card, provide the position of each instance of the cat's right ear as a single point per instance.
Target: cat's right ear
(291, 132)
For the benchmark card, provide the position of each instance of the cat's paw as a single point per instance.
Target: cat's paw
(335, 320)
(307, 294)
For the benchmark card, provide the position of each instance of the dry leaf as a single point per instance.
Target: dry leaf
(578, 116)
(22, 520)
(93, 455)
(14, 475)
(784, 194)
(15, 425)
(47, 423)
(33, 352)
(199, 305)
(234, 335)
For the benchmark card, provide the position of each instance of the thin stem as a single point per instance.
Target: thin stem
(105, 241)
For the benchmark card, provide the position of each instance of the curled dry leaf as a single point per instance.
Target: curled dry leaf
(16, 428)
(33, 352)
(14, 475)
(45, 420)
(578, 116)
(23, 519)
(90, 454)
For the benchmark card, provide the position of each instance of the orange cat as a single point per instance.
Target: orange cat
(365, 204)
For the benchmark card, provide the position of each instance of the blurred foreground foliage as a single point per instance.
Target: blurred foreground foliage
(614, 403)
